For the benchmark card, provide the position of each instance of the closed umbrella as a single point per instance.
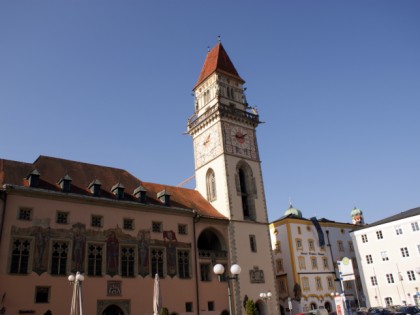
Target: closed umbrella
(76, 302)
(157, 297)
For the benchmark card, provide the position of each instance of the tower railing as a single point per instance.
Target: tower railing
(226, 111)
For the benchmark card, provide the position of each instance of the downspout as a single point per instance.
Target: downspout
(196, 218)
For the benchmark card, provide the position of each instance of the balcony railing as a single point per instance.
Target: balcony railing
(212, 254)
(224, 110)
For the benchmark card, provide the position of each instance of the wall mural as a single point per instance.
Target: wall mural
(112, 239)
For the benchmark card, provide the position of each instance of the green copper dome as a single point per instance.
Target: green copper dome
(293, 211)
(356, 211)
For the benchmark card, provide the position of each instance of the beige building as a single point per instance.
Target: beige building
(306, 252)
(58, 217)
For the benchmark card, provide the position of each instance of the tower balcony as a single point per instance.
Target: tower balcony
(227, 111)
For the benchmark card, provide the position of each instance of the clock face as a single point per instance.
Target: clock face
(240, 137)
(240, 141)
(207, 146)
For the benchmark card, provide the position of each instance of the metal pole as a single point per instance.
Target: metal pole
(343, 296)
(357, 293)
(229, 295)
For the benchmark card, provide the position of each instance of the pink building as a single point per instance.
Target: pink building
(58, 217)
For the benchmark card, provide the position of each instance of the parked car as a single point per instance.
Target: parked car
(407, 310)
(381, 311)
(319, 311)
(362, 311)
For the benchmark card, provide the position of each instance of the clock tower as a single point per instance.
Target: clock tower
(228, 173)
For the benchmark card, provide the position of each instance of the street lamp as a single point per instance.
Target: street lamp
(266, 297)
(235, 270)
(76, 302)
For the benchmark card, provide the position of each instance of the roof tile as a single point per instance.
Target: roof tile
(82, 174)
(217, 60)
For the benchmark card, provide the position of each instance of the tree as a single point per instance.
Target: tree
(250, 308)
(164, 311)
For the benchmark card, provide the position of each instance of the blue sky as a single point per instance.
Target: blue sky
(337, 84)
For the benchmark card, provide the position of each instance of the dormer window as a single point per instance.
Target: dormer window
(164, 197)
(65, 183)
(33, 178)
(95, 187)
(118, 190)
(140, 193)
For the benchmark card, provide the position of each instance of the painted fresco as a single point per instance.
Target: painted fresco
(78, 237)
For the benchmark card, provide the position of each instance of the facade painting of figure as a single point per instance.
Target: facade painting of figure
(79, 242)
(169, 237)
(112, 250)
(42, 237)
(143, 237)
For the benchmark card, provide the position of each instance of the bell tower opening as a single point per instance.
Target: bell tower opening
(246, 191)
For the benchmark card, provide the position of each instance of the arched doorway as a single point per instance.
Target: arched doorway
(261, 307)
(313, 306)
(113, 310)
(328, 306)
(282, 310)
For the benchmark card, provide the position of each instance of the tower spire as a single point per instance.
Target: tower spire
(217, 59)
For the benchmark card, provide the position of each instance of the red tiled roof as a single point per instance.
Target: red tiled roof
(217, 60)
(82, 174)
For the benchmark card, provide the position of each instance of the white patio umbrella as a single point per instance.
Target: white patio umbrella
(157, 297)
(76, 302)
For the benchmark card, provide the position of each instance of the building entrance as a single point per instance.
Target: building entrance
(113, 307)
(113, 310)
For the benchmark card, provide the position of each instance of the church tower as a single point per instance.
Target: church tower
(228, 173)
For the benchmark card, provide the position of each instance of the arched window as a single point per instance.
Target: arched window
(246, 189)
(244, 194)
(211, 185)
(206, 97)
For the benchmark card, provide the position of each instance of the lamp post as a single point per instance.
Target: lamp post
(235, 270)
(266, 297)
(76, 302)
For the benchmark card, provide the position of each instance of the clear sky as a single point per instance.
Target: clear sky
(337, 84)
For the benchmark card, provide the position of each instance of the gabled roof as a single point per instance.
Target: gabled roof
(52, 169)
(217, 60)
(300, 218)
(395, 217)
